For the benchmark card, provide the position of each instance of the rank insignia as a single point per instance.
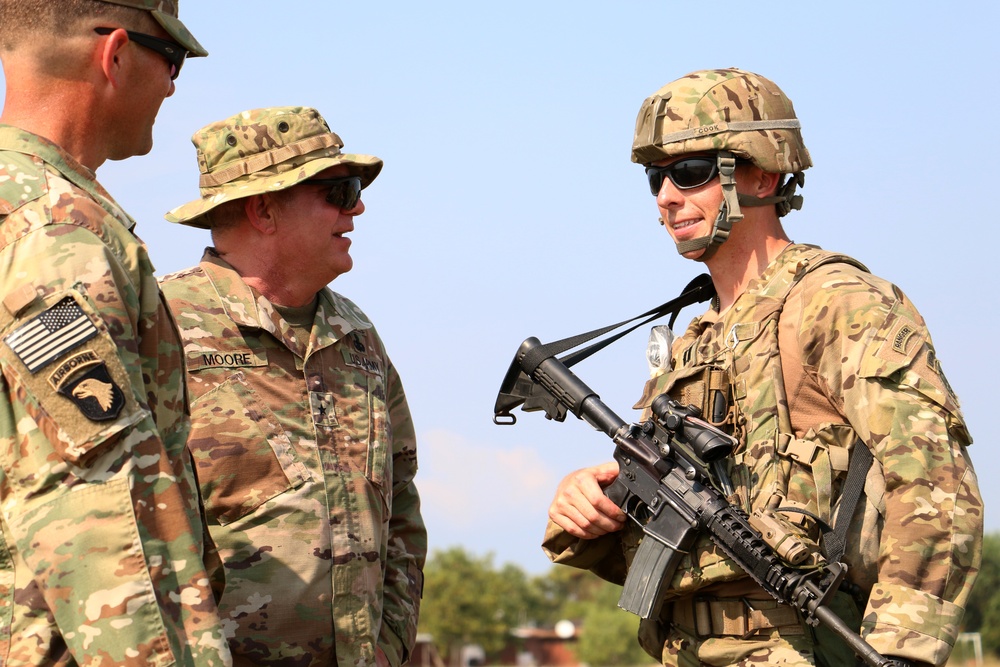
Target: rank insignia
(94, 392)
(46, 337)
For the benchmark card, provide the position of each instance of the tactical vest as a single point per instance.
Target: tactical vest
(731, 370)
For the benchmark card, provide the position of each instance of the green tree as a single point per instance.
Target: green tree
(608, 633)
(467, 601)
(982, 612)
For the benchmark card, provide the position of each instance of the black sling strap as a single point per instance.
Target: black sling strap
(835, 541)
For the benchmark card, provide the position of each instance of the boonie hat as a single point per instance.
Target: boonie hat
(165, 13)
(264, 150)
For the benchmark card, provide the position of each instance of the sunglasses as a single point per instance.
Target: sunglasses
(345, 193)
(173, 52)
(691, 172)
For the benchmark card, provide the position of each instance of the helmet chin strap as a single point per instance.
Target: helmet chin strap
(729, 211)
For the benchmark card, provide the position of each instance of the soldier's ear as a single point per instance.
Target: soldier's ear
(110, 54)
(260, 211)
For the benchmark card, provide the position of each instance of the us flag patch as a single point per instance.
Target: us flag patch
(44, 338)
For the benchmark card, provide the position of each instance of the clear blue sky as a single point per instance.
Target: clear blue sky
(508, 206)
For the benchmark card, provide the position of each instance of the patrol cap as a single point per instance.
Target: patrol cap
(165, 13)
(264, 150)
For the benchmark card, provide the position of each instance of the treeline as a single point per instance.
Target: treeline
(468, 600)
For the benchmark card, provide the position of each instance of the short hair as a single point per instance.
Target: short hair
(225, 216)
(23, 20)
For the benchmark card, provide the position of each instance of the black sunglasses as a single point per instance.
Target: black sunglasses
(344, 192)
(173, 52)
(691, 172)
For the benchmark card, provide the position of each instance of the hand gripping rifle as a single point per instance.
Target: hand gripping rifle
(669, 469)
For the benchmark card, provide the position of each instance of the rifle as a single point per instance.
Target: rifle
(672, 483)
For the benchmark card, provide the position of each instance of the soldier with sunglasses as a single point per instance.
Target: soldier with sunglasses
(301, 433)
(102, 540)
(805, 357)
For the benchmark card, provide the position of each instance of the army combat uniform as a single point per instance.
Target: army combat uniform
(102, 540)
(306, 454)
(816, 357)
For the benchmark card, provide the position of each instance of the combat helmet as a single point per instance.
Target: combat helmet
(737, 115)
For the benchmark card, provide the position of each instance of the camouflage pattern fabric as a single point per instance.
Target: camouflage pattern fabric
(165, 12)
(306, 455)
(263, 150)
(101, 556)
(842, 355)
(721, 110)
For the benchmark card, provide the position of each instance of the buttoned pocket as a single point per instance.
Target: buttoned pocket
(242, 455)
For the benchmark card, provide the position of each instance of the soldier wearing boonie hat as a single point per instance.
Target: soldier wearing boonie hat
(103, 555)
(300, 428)
(265, 150)
(811, 363)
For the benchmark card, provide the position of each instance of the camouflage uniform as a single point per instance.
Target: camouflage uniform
(302, 437)
(102, 539)
(855, 361)
(306, 455)
(814, 358)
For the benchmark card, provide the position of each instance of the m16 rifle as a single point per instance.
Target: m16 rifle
(672, 483)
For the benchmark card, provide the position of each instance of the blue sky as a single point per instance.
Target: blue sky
(508, 206)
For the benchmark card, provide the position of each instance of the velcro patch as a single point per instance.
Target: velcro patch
(94, 393)
(70, 366)
(900, 338)
(45, 337)
(238, 358)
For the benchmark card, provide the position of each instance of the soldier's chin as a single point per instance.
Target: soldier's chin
(693, 255)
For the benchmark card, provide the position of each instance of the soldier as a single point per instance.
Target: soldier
(301, 433)
(101, 556)
(803, 356)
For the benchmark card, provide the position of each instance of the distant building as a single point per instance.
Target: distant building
(542, 647)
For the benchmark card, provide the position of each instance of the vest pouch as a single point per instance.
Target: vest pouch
(814, 467)
(705, 387)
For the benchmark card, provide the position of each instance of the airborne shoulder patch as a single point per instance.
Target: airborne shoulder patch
(84, 379)
(94, 393)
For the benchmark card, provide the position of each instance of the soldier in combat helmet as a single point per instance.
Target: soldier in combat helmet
(803, 356)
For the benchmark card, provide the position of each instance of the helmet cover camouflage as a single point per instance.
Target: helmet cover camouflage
(165, 13)
(264, 150)
(721, 110)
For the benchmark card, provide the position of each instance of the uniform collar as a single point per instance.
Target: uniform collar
(21, 141)
(335, 316)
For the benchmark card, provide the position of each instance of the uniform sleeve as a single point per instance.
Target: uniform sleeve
(99, 515)
(872, 354)
(406, 550)
(603, 556)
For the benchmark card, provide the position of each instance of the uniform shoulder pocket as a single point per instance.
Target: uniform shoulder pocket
(59, 353)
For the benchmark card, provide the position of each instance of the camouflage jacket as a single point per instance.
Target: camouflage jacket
(101, 556)
(816, 354)
(306, 456)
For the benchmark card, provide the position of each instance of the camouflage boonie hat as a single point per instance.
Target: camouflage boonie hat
(165, 13)
(264, 150)
(721, 110)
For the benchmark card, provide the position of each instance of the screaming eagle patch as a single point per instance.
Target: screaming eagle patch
(93, 392)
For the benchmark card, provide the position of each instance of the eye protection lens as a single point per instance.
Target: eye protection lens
(685, 174)
(172, 52)
(344, 193)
